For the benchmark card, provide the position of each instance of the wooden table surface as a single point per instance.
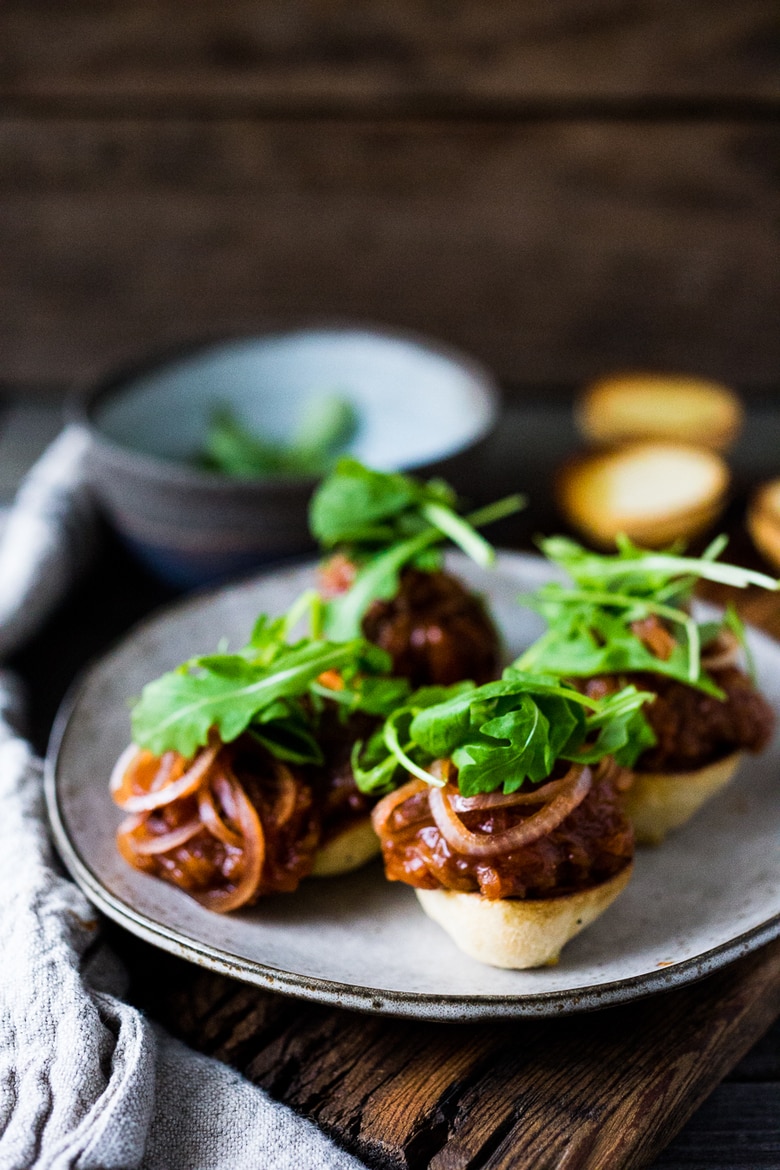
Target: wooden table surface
(605, 1089)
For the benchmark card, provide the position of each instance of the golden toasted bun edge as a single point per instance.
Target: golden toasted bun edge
(659, 802)
(516, 932)
(352, 848)
(763, 521)
(628, 406)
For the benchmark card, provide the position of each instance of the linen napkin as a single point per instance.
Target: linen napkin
(86, 1082)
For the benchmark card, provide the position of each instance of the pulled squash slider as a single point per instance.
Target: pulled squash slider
(629, 618)
(515, 837)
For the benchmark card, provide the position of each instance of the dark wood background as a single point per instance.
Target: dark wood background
(559, 186)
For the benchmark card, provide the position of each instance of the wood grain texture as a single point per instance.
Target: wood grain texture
(579, 1093)
(550, 251)
(345, 55)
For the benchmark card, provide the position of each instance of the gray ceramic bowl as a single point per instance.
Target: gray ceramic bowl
(420, 406)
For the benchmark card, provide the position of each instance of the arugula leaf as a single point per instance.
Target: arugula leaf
(380, 763)
(382, 696)
(379, 577)
(357, 504)
(506, 750)
(590, 624)
(376, 771)
(285, 730)
(587, 638)
(622, 730)
(230, 448)
(327, 425)
(267, 637)
(377, 581)
(227, 692)
(504, 733)
(639, 572)
(368, 510)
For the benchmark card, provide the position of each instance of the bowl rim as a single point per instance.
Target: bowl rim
(82, 402)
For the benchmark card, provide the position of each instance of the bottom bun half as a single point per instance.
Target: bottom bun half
(658, 802)
(350, 849)
(517, 932)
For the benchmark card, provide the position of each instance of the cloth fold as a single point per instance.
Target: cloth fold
(47, 538)
(86, 1082)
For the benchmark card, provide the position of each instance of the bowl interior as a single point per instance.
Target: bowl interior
(415, 404)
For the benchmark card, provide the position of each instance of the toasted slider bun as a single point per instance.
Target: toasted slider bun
(630, 406)
(763, 521)
(652, 492)
(351, 849)
(518, 932)
(658, 802)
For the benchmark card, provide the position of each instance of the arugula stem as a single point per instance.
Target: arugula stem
(715, 548)
(310, 601)
(460, 532)
(678, 616)
(496, 511)
(708, 570)
(378, 579)
(393, 744)
(694, 649)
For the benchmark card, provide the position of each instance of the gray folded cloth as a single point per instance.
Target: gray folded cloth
(86, 1082)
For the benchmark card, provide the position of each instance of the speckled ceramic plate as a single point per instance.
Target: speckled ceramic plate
(710, 894)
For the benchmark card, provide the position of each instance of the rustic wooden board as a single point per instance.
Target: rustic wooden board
(550, 250)
(579, 1093)
(389, 53)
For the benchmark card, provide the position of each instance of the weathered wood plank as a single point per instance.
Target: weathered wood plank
(552, 251)
(605, 1089)
(391, 54)
(616, 1094)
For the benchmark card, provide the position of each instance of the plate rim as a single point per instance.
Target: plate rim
(440, 1007)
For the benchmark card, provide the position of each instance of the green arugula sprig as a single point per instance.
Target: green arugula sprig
(269, 687)
(328, 424)
(385, 521)
(589, 625)
(502, 733)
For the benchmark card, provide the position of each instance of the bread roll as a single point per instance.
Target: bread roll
(350, 849)
(652, 492)
(658, 802)
(763, 521)
(518, 932)
(627, 407)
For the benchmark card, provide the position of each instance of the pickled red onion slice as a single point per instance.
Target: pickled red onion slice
(253, 856)
(566, 798)
(135, 763)
(388, 804)
(158, 842)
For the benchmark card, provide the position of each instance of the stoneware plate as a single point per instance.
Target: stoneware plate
(710, 894)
